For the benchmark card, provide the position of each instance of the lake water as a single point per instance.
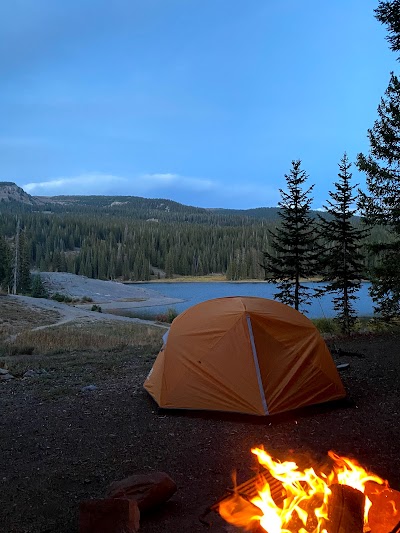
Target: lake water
(194, 293)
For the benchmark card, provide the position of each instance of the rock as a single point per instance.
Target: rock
(148, 490)
(35, 373)
(3, 371)
(89, 388)
(108, 516)
(6, 377)
(30, 374)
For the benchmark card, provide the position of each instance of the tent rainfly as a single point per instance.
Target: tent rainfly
(246, 355)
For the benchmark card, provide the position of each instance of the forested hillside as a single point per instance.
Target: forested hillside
(127, 237)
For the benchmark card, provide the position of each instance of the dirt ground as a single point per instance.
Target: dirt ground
(57, 450)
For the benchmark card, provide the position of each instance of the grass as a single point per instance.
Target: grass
(16, 317)
(83, 337)
(330, 326)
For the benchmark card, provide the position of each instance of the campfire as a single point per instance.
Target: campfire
(340, 498)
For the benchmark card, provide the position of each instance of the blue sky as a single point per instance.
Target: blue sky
(205, 102)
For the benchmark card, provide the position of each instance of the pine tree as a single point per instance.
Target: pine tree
(24, 274)
(388, 13)
(169, 264)
(381, 206)
(38, 289)
(293, 242)
(342, 260)
(5, 265)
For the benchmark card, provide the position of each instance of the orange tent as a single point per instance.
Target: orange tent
(243, 354)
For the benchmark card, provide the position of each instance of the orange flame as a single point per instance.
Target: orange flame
(305, 505)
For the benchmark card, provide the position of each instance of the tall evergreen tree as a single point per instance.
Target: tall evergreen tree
(293, 242)
(342, 259)
(5, 265)
(388, 12)
(381, 206)
(382, 167)
(24, 274)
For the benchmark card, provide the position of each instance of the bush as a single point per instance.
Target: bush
(58, 297)
(168, 316)
(96, 308)
(171, 314)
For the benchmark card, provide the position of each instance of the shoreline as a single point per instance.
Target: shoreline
(211, 279)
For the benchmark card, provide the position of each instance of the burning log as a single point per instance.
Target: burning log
(384, 514)
(345, 510)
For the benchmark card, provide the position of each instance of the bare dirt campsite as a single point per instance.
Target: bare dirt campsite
(75, 418)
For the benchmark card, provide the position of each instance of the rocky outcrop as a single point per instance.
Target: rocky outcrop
(10, 192)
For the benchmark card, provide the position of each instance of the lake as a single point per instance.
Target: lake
(194, 293)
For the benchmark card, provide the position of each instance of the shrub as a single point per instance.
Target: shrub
(171, 314)
(58, 297)
(96, 308)
(168, 316)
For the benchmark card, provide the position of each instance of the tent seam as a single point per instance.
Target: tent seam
(257, 366)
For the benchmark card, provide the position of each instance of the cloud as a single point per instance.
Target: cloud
(84, 184)
(99, 183)
(202, 192)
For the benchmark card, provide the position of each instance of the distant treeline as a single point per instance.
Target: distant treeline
(125, 238)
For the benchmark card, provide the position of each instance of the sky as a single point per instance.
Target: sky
(205, 102)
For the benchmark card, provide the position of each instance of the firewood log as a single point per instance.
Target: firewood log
(345, 510)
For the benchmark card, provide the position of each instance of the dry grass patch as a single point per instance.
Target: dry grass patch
(80, 337)
(16, 317)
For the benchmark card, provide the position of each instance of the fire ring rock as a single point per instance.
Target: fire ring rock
(148, 490)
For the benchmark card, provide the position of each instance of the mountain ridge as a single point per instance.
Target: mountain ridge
(10, 192)
(152, 209)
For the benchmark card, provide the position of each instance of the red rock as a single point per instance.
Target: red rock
(148, 490)
(110, 515)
